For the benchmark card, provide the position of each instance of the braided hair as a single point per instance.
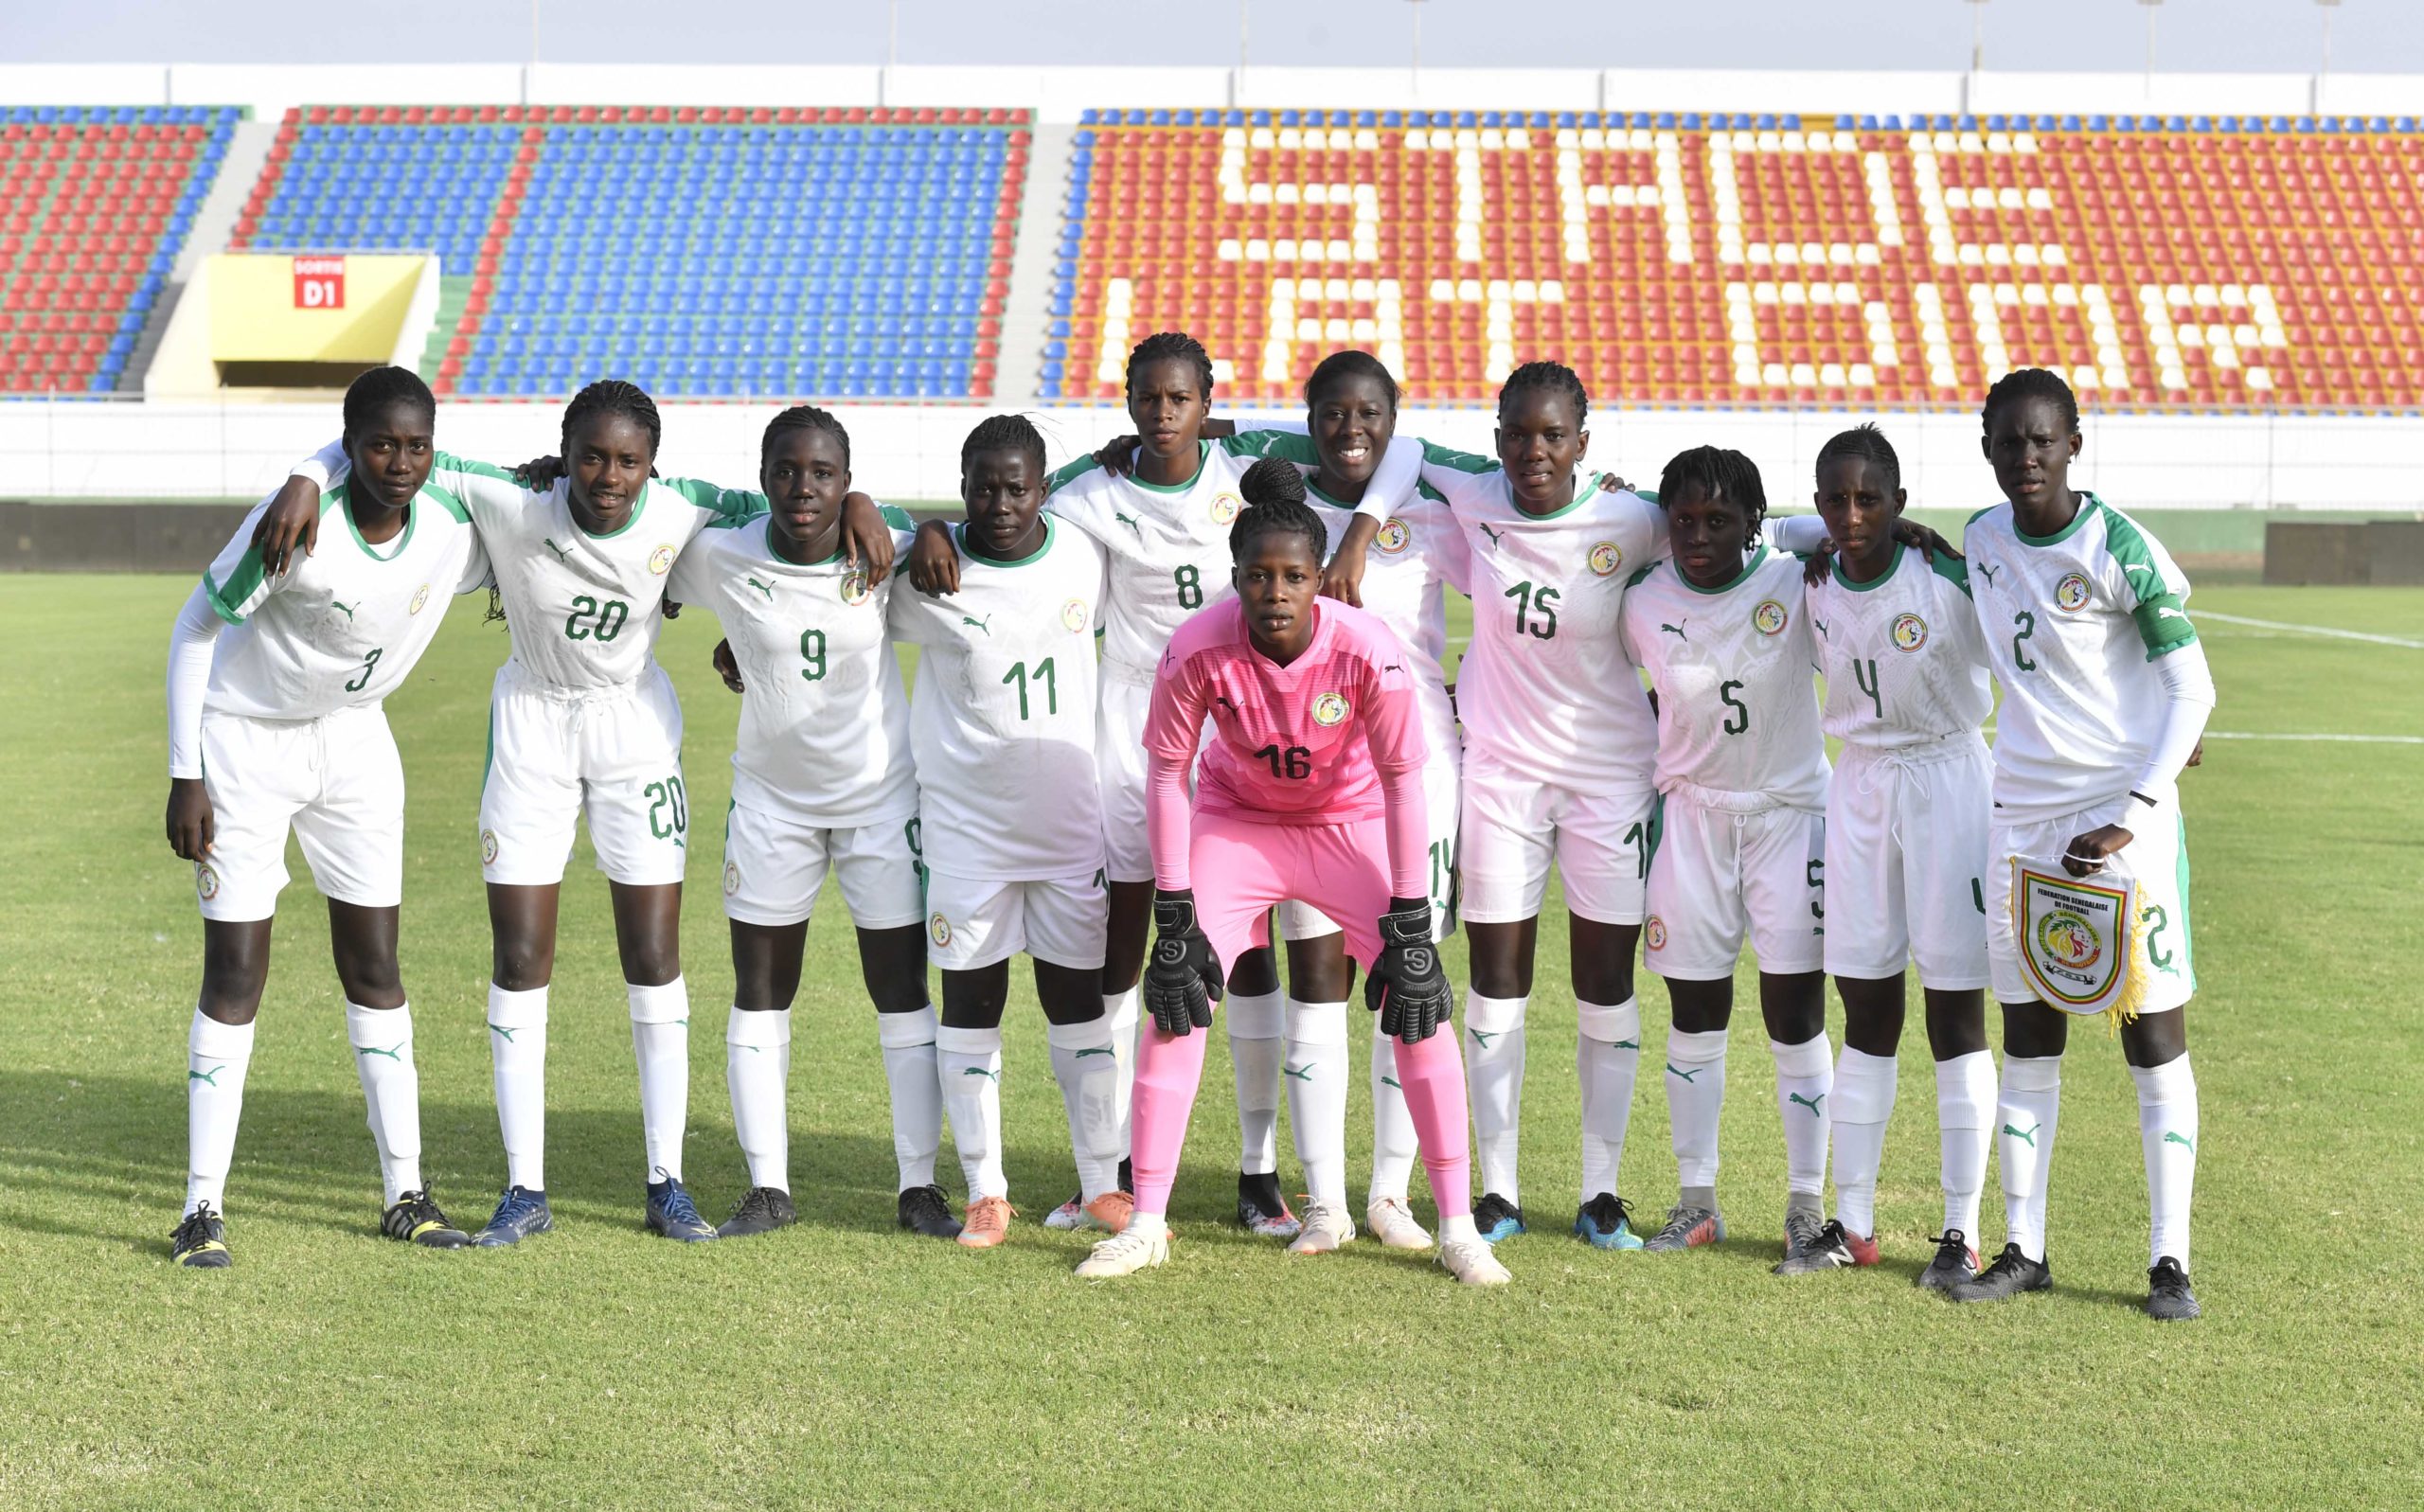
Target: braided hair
(1868, 444)
(2032, 383)
(802, 417)
(1003, 433)
(1718, 473)
(1340, 365)
(1171, 345)
(612, 396)
(1554, 378)
(1274, 492)
(375, 390)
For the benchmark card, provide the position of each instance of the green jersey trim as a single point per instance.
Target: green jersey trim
(2087, 504)
(1288, 446)
(449, 462)
(228, 600)
(2127, 546)
(1852, 585)
(1202, 454)
(342, 496)
(897, 518)
(1461, 461)
(1952, 569)
(1051, 533)
(1749, 567)
(1069, 472)
(447, 500)
(1642, 572)
(639, 506)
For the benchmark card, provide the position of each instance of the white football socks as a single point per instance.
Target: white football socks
(518, 1052)
(1394, 1145)
(661, 1041)
(1965, 1106)
(382, 1057)
(1124, 1010)
(1317, 1070)
(2029, 1109)
(217, 1056)
(970, 1063)
(1257, 1026)
(1607, 1062)
(1494, 1070)
(909, 1070)
(1083, 1064)
(1804, 1080)
(2168, 1129)
(1863, 1102)
(1695, 1103)
(756, 1068)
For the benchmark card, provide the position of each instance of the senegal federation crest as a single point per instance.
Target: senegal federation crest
(731, 879)
(1656, 932)
(1330, 709)
(420, 600)
(1604, 557)
(660, 561)
(854, 587)
(938, 930)
(2074, 933)
(1909, 632)
(1073, 615)
(488, 847)
(2071, 593)
(1394, 537)
(205, 880)
(1225, 506)
(1770, 617)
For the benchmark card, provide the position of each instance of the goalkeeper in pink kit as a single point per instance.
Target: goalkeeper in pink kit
(1311, 789)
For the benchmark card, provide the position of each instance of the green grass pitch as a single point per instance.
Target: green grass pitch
(842, 1364)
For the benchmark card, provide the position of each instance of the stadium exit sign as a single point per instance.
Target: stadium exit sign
(319, 283)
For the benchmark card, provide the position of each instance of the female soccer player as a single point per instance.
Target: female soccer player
(275, 722)
(1002, 728)
(2106, 693)
(1724, 634)
(1163, 520)
(1309, 790)
(1351, 408)
(1906, 846)
(582, 721)
(822, 780)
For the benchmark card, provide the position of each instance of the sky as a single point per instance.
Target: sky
(2218, 36)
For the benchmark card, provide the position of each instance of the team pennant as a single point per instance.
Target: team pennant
(2075, 935)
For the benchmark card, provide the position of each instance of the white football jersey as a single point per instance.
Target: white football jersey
(342, 627)
(824, 716)
(584, 611)
(1419, 552)
(1002, 716)
(1737, 706)
(1903, 662)
(2073, 625)
(1544, 688)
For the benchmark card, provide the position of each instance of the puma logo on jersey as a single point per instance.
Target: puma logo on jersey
(2166, 612)
(768, 589)
(1130, 521)
(1490, 533)
(1988, 571)
(984, 624)
(561, 555)
(2137, 566)
(348, 609)
(1677, 631)
(1819, 623)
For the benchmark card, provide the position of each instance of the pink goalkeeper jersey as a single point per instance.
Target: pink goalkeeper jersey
(1300, 744)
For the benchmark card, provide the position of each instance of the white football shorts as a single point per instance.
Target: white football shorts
(336, 781)
(774, 868)
(1716, 876)
(1515, 826)
(2156, 855)
(1906, 864)
(612, 755)
(973, 923)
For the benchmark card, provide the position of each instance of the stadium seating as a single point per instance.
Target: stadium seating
(1672, 259)
(95, 204)
(702, 253)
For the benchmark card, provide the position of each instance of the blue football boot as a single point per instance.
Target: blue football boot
(520, 1213)
(671, 1213)
(1498, 1218)
(1605, 1222)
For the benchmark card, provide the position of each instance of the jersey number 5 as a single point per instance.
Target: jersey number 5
(1739, 721)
